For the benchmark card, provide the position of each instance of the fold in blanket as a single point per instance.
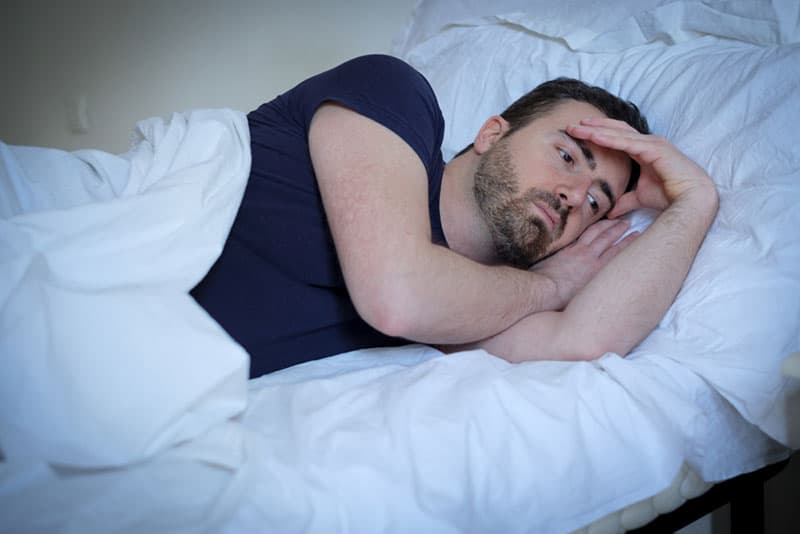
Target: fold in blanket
(106, 359)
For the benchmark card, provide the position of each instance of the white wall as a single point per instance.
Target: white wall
(133, 59)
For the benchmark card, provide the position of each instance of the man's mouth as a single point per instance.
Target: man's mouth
(550, 217)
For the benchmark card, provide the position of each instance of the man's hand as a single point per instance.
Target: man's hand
(667, 175)
(572, 267)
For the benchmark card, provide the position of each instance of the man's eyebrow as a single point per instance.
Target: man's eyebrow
(587, 152)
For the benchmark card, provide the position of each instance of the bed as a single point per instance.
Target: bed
(102, 429)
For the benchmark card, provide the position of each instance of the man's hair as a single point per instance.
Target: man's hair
(549, 94)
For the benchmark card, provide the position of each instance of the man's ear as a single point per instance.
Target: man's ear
(492, 131)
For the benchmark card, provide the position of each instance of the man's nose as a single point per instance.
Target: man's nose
(573, 191)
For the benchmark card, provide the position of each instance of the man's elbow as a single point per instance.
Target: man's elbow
(587, 355)
(391, 320)
(592, 349)
(392, 310)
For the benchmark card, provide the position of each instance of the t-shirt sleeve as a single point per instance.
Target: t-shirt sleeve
(386, 90)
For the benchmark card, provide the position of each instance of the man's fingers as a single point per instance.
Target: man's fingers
(597, 229)
(610, 123)
(619, 247)
(602, 235)
(643, 148)
(609, 236)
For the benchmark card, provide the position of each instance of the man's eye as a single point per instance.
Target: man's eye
(593, 203)
(565, 155)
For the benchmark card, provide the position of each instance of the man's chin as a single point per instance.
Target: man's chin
(523, 250)
(546, 253)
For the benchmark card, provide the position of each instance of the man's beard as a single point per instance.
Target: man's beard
(520, 237)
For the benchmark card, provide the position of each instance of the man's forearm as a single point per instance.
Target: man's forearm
(620, 306)
(626, 300)
(444, 298)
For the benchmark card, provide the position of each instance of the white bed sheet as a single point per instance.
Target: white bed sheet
(407, 439)
(102, 428)
(399, 440)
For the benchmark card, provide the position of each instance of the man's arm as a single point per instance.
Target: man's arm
(622, 304)
(374, 190)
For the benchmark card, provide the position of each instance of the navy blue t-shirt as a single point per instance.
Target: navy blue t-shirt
(278, 288)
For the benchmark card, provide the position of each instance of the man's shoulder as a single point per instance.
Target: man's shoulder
(387, 71)
(382, 62)
(387, 89)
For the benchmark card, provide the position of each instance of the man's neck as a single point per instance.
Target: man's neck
(463, 224)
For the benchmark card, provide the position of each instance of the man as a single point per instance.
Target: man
(353, 233)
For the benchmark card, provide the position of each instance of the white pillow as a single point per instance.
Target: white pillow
(733, 107)
(614, 24)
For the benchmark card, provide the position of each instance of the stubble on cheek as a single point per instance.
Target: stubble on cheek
(527, 235)
(520, 237)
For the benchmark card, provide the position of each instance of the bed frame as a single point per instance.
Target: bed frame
(744, 493)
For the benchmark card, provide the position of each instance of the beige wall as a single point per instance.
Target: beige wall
(131, 59)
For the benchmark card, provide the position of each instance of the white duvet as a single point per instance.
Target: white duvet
(106, 358)
(124, 407)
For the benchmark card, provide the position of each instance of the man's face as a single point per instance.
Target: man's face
(539, 189)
